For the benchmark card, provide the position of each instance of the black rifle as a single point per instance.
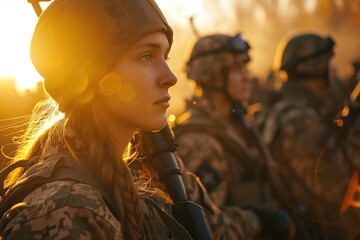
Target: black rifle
(159, 149)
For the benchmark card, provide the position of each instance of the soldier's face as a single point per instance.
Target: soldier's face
(239, 83)
(135, 92)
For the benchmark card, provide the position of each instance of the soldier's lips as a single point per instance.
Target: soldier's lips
(163, 102)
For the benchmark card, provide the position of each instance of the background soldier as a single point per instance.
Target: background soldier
(311, 162)
(212, 139)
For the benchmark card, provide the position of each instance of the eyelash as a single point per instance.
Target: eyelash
(149, 57)
(146, 57)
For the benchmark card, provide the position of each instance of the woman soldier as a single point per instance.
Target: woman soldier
(104, 67)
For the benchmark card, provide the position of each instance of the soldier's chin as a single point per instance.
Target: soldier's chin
(244, 100)
(156, 125)
(246, 96)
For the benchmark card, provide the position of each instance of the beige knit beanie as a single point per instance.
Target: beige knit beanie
(76, 41)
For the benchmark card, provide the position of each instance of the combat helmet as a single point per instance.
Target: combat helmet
(207, 58)
(306, 55)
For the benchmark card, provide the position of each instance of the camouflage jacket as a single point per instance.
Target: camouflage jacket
(228, 165)
(61, 210)
(313, 168)
(65, 204)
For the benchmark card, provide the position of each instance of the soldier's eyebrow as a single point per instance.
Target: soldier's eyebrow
(151, 45)
(148, 44)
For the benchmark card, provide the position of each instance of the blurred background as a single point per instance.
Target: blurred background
(263, 22)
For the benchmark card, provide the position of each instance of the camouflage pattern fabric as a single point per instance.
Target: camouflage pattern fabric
(206, 60)
(233, 223)
(227, 223)
(72, 210)
(68, 209)
(61, 210)
(233, 177)
(314, 173)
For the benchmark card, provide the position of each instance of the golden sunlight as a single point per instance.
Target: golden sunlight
(204, 13)
(353, 191)
(17, 22)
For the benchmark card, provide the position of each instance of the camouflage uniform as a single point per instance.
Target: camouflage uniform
(67, 202)
(61, 210)
(312, 172)
(227, 165)
(217, 151)
(69, 205)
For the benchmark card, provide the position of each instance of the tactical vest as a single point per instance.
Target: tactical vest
(250, 185)
(62, 166)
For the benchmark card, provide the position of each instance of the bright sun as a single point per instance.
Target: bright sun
(17, 22)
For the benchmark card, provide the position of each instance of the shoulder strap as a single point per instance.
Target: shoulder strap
(79, 175)
(71, 170)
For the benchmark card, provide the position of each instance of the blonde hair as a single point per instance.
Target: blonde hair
(46, 122)
(44, 115)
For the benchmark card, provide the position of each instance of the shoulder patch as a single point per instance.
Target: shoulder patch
(209, 176)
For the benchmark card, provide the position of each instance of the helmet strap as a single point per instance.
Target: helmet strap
(225, 82)
(234, 103)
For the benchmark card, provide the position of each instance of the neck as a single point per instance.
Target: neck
(117, 130)
(121, 137)
(220, 104)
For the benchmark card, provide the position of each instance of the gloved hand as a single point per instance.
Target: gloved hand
(276, 225)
